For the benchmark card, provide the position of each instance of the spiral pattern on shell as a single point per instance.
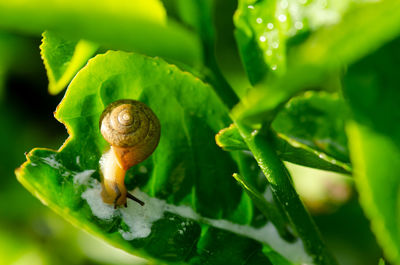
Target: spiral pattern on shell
(129, 123)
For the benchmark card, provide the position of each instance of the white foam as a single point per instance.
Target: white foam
(51, 161)
(140, 219)
(83, 177)
(266, 234)
(98, 207)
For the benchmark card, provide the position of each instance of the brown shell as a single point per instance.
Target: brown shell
(132, 129)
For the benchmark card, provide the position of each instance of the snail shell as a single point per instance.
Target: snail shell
(132, 129)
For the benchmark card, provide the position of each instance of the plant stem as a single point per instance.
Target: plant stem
(263, 151)
(207, 34)
(282, 187)
(221, 86)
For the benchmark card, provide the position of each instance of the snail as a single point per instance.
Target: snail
(133, 132)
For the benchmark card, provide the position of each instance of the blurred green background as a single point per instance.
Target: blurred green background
(31, 234)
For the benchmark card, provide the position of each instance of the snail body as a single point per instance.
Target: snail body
(133, 132)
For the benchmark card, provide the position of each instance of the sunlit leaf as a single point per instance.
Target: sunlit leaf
(194, 211)
(308, 131)
(313, 126)
(63, 59)
(230, 139)
(265, 30)
(327, 48)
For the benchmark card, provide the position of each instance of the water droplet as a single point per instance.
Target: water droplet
(298, 25)
(143, 169)
(250, 7)
(282, 18)
(284, 4)
(273, 67)
(259, 20)
(269, 53)
(275, 45)
(262, 38)
(270, 26)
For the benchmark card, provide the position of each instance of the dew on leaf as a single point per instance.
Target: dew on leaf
(143, 169)
(298, 25)
(83, 177)
(284, 4)
(282, 18)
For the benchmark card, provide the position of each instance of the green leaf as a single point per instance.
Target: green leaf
(313, 126)
(265, 30)
(123, 24)
(309, 61)
(371, 87)
(287, 149)
(191, 198)
(309, 131)
(63, 59)
(230, 139)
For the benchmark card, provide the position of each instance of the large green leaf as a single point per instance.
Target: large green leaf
(194, 212)
(308, 60)
(124, 24)
(63, 59)
(372, 89)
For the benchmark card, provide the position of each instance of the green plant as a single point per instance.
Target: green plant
(321, 91)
